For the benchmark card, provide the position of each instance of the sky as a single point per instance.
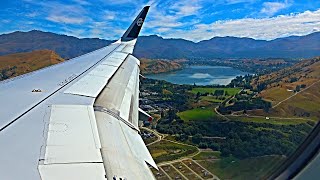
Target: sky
(193, 20)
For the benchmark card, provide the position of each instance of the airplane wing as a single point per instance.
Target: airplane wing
(77, 119)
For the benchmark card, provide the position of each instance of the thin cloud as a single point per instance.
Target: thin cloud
(238, 1)
(271, 8)
(265, 28)
(65, 19)
(31, 15)
(82, 2)
(186, 8)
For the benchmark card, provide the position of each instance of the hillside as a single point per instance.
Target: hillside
(20, 63)
(293, 91)
(155, 47)
(66, 46)
(158, 66)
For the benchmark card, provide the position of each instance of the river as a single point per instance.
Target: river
(201, 75)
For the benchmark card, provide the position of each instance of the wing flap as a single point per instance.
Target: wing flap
(66, 125)
(137, 145)
(72, 148)
(82, 171)
(121, 157)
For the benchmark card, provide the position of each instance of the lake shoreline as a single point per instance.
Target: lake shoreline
(200, 75)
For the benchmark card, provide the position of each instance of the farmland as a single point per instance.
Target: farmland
(204, 113)
(228, 91)
(168, 151)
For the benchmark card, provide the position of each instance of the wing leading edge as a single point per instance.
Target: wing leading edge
(84, 122)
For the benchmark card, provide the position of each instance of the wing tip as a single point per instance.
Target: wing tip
(135, 27)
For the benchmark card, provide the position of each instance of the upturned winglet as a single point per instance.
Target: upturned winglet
(134, 29)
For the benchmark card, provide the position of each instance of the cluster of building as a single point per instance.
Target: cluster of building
(151, 102)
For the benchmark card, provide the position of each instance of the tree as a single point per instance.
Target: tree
(171, 114)
(214, 146)
(198, 95)
(203, 145)
(218, 92)
(226, 93)
(197, 138)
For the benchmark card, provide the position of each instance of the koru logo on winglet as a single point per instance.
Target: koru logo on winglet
(139, 22)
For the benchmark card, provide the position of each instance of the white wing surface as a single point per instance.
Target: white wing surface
(78, 119)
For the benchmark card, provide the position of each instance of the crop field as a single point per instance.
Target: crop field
(251, 168)
(207, 155)
(168, 151)
(197, 169)
(205, 113)
(172, 172)
(185, 171)
(231, 91)
(211, 99)
(159, 175)
(271, 120)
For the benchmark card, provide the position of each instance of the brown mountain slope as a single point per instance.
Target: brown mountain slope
(293, 91)
(20, 63)
(158, 66)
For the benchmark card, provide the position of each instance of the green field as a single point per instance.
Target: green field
(207, 155)
(231, 91)
(211, 99)
(168, 151)
(205, 113)
(270, 120)
(251, 168)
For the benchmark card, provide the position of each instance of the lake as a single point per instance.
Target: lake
(201, 75)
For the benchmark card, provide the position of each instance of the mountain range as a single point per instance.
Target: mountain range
(156, 47)
(66, 46)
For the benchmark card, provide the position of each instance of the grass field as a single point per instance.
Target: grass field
(207, 155)
(168, 151)
(211, 99)
(205, 113)
(305, 104)
(231, 91)
(271, 120)
(252, 168)
(276, 94)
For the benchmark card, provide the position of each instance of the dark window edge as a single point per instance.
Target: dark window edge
(301, 157)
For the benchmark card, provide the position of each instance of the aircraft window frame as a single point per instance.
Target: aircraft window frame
(303, 155)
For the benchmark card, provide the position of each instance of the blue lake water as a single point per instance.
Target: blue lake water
(201, 75)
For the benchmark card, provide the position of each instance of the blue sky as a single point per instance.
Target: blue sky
(190, 19)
